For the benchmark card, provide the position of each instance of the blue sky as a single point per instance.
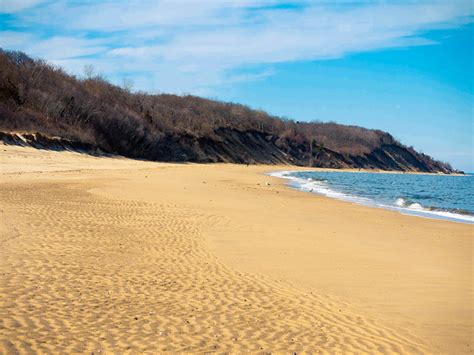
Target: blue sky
(403, 66)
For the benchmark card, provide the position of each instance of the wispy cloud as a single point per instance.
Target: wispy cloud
(194, 46)
(12, 6)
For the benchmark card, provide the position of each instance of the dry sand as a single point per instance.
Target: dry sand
(115, 255)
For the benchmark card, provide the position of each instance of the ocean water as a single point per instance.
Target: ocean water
(424, 195)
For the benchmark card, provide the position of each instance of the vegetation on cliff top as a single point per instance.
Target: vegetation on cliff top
(38, 97)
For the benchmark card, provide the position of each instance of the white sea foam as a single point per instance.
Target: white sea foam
(401, 204)
(316, 186)
(416, 206)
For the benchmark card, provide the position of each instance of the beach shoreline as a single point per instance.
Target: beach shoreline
(203, 255)
(399, 203)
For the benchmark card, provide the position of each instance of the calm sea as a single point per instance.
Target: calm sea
(431, 196)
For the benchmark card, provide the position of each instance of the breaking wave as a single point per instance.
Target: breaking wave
(314, 183)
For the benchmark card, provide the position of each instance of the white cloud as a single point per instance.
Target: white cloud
(110, 16)
(11, 6)
(62, 47)
(15, 40)
(191, 46)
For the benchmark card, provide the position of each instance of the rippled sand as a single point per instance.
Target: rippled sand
(115, 255)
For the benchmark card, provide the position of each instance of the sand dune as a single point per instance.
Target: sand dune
(112, 255)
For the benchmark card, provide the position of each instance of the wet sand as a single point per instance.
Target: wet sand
(116, 255)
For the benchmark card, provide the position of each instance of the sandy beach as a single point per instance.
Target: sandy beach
(117, 255)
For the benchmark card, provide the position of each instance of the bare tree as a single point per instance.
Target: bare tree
(89, 71)
(127, 84)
